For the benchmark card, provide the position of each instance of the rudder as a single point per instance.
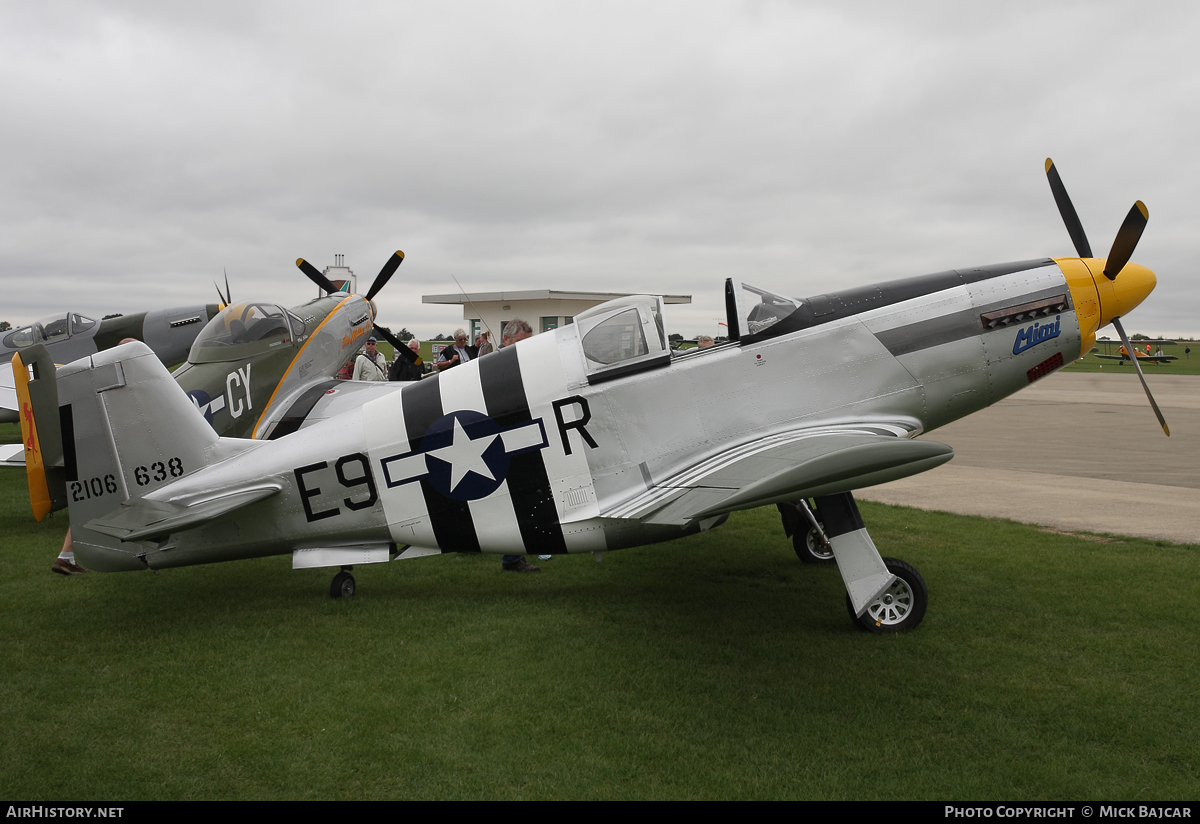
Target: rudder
(34, 379)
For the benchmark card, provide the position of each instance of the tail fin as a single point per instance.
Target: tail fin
(37, 401)
(127, 429)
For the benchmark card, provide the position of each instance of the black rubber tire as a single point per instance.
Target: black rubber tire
(901, 608)
(809, 548)
(342, 586)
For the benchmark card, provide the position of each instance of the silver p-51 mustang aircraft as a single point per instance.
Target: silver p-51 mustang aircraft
(593, 437)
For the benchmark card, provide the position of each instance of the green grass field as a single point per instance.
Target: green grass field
(1049, 666)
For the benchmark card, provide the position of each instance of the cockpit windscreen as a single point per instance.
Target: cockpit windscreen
(240, 330)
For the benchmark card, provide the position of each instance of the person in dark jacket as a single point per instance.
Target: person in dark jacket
(408, 367)
(460, 352)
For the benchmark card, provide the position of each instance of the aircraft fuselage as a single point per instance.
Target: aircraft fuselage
(532, 449)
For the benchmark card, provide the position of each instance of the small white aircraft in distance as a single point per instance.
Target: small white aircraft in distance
(593, 437)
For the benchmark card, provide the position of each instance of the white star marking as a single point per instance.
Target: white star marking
(464, 455)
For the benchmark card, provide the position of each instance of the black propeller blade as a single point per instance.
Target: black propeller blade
(402, 350)
(225, 298)
(1116, 322)
(1067, 210)
(385, 274)
(315, 276)
(1126, 240)
(387, 335)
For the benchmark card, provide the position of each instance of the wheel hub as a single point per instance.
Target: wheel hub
(892, 606)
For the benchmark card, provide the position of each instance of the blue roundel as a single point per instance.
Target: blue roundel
(465, 455)
(203, 402)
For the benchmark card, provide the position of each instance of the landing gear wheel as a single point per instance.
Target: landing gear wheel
(810, 549)
(900, 607)
(342, 586)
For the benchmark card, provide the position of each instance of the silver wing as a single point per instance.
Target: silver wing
(799, 464)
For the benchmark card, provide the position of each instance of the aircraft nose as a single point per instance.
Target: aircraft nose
(1132, 286)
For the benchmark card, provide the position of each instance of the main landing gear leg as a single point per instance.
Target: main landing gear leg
(807, 532)
(343, 584)
(882, 594)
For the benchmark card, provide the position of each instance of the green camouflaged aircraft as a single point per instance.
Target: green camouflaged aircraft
(254, 371)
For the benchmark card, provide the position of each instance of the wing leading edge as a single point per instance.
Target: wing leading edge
(802, 464)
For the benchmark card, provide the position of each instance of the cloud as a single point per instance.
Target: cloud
(620, 146)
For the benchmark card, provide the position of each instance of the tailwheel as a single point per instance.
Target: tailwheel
(342, 586)
(811, 547)
(899, 608)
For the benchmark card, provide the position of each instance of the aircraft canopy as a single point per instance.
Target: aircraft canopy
(752, 310)
(623, 335)
(242, 330)
(51, 328)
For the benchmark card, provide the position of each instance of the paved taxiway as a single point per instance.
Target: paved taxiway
(1073, 451)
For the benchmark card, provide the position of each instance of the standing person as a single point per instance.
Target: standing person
(484, 343)
(370, 366)
(408, 368)
(460, 352)
(515, 330)
(65, 564)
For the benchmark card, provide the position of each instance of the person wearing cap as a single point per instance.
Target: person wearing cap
(370, 365)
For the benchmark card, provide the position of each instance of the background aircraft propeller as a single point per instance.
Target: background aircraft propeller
(402, 350)
(315, 276)
(1122, 250)
(387, 335)
(226, 298)
(385, 274)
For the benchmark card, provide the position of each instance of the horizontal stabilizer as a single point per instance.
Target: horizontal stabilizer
(140, 519)
(12, 455)
(8, 396)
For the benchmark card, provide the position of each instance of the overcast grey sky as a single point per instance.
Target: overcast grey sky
(628, 147)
